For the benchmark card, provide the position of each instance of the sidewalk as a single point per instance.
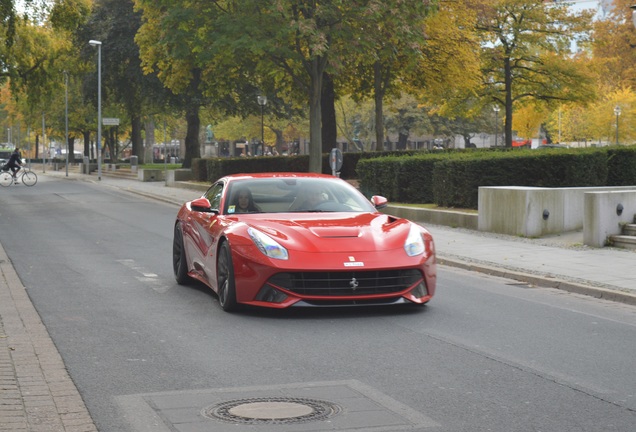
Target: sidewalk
(36, 393)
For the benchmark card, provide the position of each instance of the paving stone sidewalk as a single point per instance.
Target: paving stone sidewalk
(36, 392)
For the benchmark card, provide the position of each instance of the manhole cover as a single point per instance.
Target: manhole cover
(275, 410)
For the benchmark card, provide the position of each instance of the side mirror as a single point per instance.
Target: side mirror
(201, 205)
(379, 201)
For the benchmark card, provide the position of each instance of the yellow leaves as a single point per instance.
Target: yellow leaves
(597, 121)
(450, 65)
(528, 119)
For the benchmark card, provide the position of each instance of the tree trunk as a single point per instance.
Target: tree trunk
(135, 137)
(328, 108)
(192, 147)
(111, 142)
(379, 106)
(37, 146)
(71, 149)
(508, 120)
(150, 140)
(280, 139)
(315, 117)
(87, 143)
(402, 138)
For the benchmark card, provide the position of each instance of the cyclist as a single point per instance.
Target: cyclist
(15, 162)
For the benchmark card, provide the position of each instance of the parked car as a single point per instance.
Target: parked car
(289, 239)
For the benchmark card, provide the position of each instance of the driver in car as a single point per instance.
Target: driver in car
(309, 198)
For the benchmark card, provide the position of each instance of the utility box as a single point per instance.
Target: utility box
(134, 162)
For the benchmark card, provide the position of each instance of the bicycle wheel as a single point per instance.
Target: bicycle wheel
(6, 179)
(29, 178)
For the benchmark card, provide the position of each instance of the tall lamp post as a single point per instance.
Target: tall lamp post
(66, 116)
(98, 44)
(617, 111)
(496, 109)
(262, 101)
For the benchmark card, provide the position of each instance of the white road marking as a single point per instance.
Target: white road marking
(145, 276)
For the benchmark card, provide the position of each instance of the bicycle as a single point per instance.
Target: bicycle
(28, 177)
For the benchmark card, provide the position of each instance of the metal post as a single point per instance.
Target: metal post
(496, 109)
(66, 116)
(559, 125)
(165, 154)
(262, 130)
(98, 44)
(262, 101)
(616, 129)
(617, 111)
(99, 112)
(43, 145)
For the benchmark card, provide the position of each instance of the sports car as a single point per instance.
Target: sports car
(299, 239)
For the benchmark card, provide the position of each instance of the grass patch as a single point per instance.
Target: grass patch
(160, 166)
(436, 207)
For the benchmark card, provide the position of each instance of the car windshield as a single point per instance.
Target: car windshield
(289, 194)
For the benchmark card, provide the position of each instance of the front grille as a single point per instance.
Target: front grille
(346, 283)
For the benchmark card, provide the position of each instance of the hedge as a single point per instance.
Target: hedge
(451, 178)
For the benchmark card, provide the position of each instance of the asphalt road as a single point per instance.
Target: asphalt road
(147, 354)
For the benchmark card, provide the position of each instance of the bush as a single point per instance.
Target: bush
(621, 166)
(451, 178)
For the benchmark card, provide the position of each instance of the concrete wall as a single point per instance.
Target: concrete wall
(150, 175)
(87, 168)
(534, 212)
(178, 175)
(603, 217)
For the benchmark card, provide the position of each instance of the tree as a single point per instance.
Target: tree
(295, 39)
(614, 46)
(404, 116)
(115, 23)
(528, 120)
(527, 54)
(34, 70)
(172, 44)
(388, 46)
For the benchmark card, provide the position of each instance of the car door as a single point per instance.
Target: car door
(205, 232)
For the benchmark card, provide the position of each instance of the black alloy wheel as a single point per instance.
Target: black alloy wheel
(226, 287)
(179, 261)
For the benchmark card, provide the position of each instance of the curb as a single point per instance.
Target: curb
(543, 281)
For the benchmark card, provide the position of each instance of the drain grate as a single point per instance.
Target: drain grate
(274, 410)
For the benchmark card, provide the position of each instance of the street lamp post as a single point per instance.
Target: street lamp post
(617, 111)
(262, 101)
(66, 116)
(98, 44)
(559, 125)
(496, 110)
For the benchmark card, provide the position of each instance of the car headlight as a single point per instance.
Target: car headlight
(267, 245)
(414, 244)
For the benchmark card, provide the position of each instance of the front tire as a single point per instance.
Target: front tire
(226, 286)
(29, 178)
(179, 260)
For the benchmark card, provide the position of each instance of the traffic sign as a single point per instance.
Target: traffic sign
(106, 121)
